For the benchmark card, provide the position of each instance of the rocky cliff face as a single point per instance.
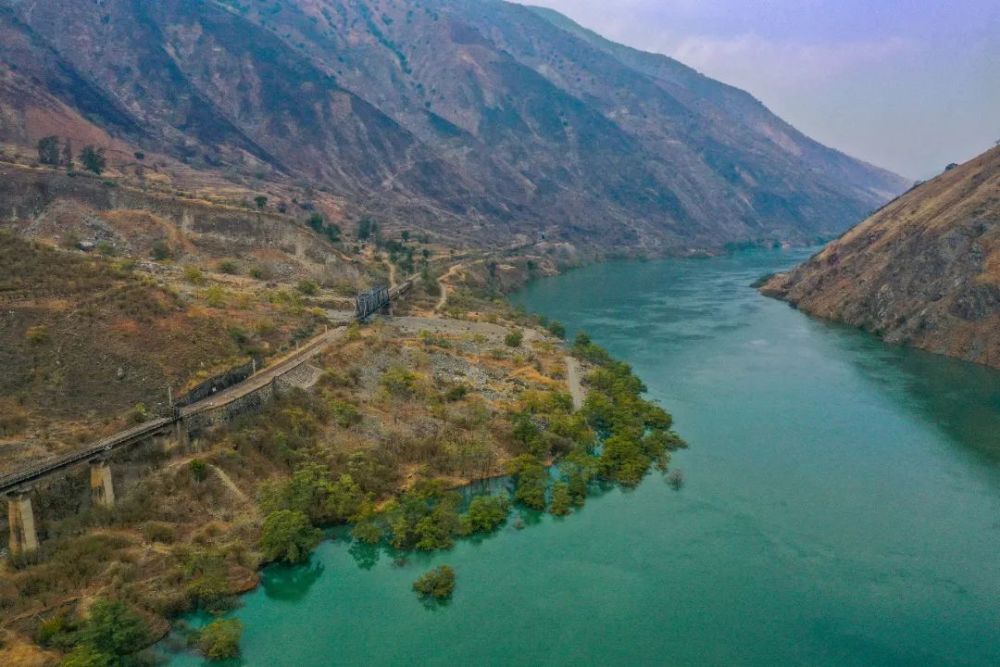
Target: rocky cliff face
(480, 119)
(923, 271)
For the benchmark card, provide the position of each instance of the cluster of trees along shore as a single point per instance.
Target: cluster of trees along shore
(616, 438)
(557, 457)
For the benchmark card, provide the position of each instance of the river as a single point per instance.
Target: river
(841, 506)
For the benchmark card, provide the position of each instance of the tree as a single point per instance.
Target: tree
(220, 639)
(199, 469)
(261, 201)
(437, 584)
(93, 159)
(288, 536)
(561, 500)
(366, 229)
(557, 329)
(530, 479)
(67, 155)
(113, 629)
(485, 514)
(48, 150)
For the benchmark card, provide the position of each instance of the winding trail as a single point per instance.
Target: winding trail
(574, 381)
(443, 299)
(392, 273)
(228, 482)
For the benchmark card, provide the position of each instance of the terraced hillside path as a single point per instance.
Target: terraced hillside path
(573, 379)
(443, 299)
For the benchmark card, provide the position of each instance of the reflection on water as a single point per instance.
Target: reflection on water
(960, 399)
(291, 583)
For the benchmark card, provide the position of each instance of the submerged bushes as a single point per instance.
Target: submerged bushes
(220, 639)
(634, 433)
(436, 584)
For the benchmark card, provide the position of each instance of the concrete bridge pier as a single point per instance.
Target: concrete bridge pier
(102, 487)
(21, 518)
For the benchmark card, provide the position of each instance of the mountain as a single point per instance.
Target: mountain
(477, 121)
(923, 271)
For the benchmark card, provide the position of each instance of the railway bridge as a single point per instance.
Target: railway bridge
(173, 431)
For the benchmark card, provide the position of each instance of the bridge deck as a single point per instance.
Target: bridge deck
(122, 438)
(13, 481)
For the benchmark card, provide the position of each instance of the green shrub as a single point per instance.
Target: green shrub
(288, 536)
(229, 267)
(220, 639)
(424, 518)
(345, 414)
(530, 480)
(438, 584)
(308, 287)
(561, 499)
(37, 335)
(159, 531)
(514, 338)
(193, 275)
(485, 514)
(139, 413)
(456, 393)
(399, 382)
(109, 636)
(206, 573)
(161, 251)
(199, 469)
(85, 655)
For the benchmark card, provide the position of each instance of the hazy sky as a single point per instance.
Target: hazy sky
(910, 85)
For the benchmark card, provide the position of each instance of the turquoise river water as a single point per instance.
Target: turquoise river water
(841, 506)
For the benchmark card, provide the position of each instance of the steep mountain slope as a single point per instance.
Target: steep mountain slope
(924, 271)
(482, 120)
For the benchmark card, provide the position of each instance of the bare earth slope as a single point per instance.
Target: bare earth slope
(923, 271)
(481, 120)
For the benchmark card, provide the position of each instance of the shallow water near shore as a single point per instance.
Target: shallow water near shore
(841, 506)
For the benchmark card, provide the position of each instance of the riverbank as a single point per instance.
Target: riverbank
(404, 401)
(816, 524)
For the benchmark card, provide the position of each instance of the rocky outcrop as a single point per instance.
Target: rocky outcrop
(923, 271)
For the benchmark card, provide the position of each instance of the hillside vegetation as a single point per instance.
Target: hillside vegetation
(88, 341)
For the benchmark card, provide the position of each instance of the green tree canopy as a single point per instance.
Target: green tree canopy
(438, 583)
(288, 536)
(48, 150)
(93, 159)
(220, 639)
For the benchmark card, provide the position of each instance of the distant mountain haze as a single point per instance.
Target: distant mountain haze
(483, 121)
